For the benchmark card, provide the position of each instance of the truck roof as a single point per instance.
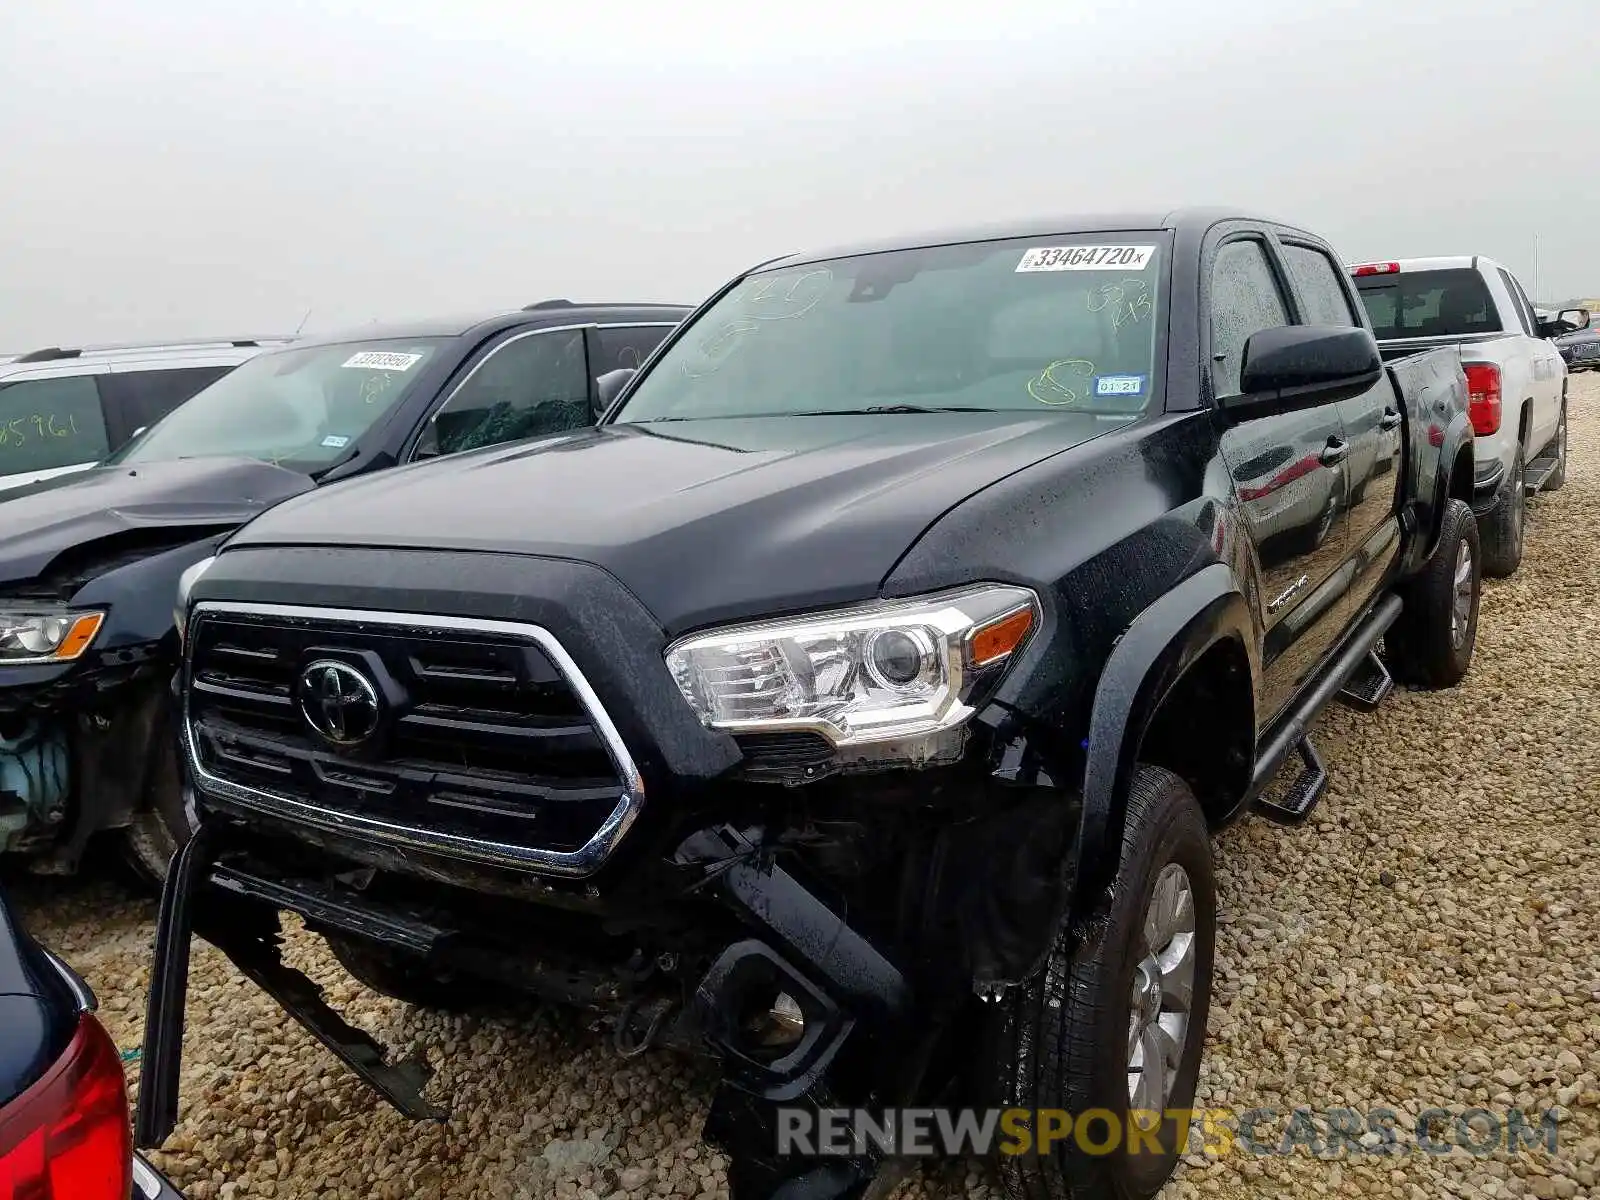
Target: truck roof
(1445, 262)
(554, 312)
(1112, 222)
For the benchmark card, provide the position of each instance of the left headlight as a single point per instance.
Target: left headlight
(889, 677)
(186, 581)
(45, 633)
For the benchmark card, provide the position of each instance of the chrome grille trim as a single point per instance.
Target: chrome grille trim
(584, 861)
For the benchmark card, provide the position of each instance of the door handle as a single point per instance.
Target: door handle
(1389, 419)
(1336, 451)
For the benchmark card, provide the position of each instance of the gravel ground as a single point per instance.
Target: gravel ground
(1428, 939)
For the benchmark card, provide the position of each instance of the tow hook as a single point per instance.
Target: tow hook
(622, 1039)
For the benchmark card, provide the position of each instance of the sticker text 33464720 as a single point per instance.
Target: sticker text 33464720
(1086, 258)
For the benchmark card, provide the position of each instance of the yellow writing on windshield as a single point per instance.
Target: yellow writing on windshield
(36, 427)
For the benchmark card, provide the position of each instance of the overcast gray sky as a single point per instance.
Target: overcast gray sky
(177, 167)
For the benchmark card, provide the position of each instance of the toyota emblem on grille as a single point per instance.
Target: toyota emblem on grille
(339, 702)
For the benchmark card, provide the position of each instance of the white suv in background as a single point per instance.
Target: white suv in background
(63, 410)
(1515, 376)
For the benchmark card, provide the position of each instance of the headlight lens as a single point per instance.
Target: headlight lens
(881, 673)
(45, 634)
(186, 582)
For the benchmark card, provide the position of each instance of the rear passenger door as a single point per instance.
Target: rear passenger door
(1288, 480)
(1549, 372)
(1372, 424)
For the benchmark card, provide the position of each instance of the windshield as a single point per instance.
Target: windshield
(302, 408)
(1034, 325)
(1453, 302)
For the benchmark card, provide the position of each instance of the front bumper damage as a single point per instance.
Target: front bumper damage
(846, 996)
(65, 749)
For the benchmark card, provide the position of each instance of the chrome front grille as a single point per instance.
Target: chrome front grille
(490, 744)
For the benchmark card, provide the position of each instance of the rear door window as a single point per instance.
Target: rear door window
(626, 346)
(1525, 313)
(1320, 285)
(136, 399)
(1452, 302)
(50, 423)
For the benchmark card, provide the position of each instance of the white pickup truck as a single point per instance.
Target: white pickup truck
(1515, 375)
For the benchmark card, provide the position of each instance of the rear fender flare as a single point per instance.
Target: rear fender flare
(1153, 653)
(1456, 436)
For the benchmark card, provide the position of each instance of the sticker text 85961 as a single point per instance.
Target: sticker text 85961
(1086, 258)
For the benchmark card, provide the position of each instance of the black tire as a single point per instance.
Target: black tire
(1503, 532)
(401, 976)
(1424, 647)
(161, 827)
(1559, 475)
(1062, 1040)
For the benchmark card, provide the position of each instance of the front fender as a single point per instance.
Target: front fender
(1153, 653)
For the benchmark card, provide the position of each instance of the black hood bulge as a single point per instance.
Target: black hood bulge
(705, 520)
(40, 522)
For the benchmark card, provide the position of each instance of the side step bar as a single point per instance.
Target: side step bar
(1295, 805)
(1291, 734)
(1537, 474)
(218, 907)
(1369, 684)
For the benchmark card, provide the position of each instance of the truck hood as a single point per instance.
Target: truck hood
(109, 506)
(703, 520)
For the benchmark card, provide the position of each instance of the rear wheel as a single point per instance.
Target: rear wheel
(1117, 1024)
(1559, 475)
(1431, 643)
(1502, 531)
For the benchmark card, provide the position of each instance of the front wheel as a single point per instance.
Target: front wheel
(1117, 1024)
(1430, 645)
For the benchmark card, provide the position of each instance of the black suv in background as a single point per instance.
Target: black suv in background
(90, 562)
(854, 702)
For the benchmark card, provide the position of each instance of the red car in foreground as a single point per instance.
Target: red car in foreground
(64, 1131)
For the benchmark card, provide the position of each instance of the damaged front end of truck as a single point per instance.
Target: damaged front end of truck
(823, 923)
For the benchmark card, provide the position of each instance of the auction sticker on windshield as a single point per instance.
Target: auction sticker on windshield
(382, 360)
(1086, 258)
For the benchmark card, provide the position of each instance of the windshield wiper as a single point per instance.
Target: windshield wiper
(889, 408)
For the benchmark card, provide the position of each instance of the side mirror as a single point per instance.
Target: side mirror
(1568, 320)
(1301, 366)
(609, 386)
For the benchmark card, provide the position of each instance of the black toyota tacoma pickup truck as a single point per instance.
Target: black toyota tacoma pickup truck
(90, 562)
(854, 701)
